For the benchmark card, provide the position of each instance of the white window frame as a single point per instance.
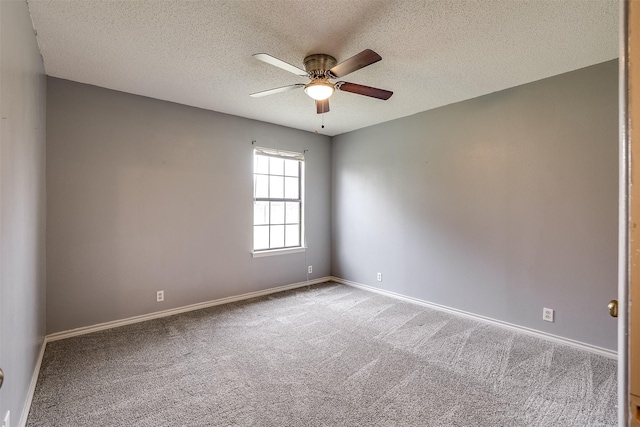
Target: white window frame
(287, 155)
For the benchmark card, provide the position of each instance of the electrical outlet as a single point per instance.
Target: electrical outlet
(547, 314)
(159, 296)
(310, 269)
(379, 277)
(7, 420)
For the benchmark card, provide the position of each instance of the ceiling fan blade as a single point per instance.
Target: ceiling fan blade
(276, 90)
(265, 57)
(322, 106)
(373, 92)
(361, 60)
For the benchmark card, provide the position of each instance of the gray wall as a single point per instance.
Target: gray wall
(22, 205)
(499, 206)
(146, 195)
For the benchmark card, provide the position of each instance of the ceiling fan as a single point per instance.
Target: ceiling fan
(321, 68)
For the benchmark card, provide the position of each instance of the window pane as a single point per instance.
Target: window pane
(277, 212)
(277, 236)
(277, 224)
(262, 186)
(260, 213)
(291, 167)
(276, 166)
(293, 213)
(261, 237)
(276, 187)
(291, 188)
(261, 165)
(293, 235)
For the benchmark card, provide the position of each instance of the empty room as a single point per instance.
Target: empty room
(292, 213)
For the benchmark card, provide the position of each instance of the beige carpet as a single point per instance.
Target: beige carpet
(326, 355)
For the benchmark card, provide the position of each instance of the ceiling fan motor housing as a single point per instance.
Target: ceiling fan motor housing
(319, 62)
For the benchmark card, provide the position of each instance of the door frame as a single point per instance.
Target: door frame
(629, 203)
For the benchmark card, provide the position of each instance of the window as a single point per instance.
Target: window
(277, 200)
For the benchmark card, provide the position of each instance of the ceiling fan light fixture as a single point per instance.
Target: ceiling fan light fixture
(319, 89)
(320, 68)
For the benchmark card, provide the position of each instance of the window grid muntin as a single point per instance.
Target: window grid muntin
(270, 201)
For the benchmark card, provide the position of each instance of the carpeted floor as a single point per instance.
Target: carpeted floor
(325, 355)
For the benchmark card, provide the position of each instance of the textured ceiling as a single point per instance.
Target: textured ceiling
(433, 52)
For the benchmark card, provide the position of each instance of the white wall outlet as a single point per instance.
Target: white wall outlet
(547, 314)
(379, 277)
(310, 269)
(7, 420)
(159, 296)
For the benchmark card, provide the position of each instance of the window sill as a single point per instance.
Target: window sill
(278, 252)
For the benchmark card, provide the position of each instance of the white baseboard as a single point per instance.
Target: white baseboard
(158, 314)
(544, 335)
(32, 386)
